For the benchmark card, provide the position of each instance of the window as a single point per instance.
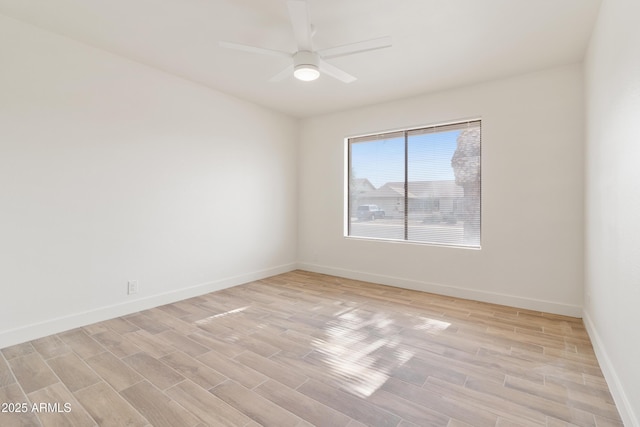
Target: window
(418, 185)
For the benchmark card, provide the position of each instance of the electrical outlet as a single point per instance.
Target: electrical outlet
(132, 287)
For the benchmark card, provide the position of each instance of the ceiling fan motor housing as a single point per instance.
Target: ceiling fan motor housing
(305, 65)
(304, 57)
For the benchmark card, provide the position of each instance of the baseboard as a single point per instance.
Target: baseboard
(621, 399)
(76, 320)
(473, 294)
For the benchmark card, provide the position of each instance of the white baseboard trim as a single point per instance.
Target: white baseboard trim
(629, 418)
(76, 320)
(437, 288)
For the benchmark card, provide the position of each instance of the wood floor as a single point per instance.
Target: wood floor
(304, 349)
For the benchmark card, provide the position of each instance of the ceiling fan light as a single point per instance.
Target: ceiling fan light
(306, 72)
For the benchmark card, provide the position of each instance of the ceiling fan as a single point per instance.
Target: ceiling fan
(307, 64)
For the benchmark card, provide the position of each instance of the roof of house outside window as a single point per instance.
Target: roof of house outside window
(418, 190)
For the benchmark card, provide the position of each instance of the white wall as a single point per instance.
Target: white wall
(612, 244)
(532, 195)
(110, 171)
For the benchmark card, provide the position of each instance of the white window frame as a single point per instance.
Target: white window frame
(380, 135)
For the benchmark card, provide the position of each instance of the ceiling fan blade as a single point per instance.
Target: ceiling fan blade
(335, 72)
(299, 14)
(282, 74)
(350, 49)
(254, 49)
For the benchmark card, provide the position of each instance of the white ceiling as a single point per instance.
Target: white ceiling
(437, 44)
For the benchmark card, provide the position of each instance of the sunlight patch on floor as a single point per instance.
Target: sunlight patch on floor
(361, 349)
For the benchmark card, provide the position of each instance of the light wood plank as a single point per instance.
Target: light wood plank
(277, 371)
(455, 409)
(108, 408)
(232, 369)
(183, 343)
(32, 372)
(81, 343)
(193, 369)
(18, 350)
(6, 376)
(156, 372)
(209, 408)
(149, 343)
(62, 408)
(114, 371)
(355, 407)
(17, 417)
(73, 371)
(157, 407)
(153, 326)
(301, 405)
(118, 344)
(254, 406)
(51, 346)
